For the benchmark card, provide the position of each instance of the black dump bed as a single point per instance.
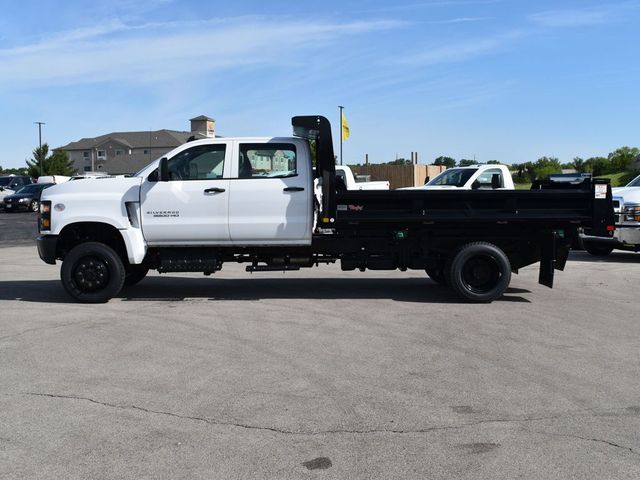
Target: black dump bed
(579, 206)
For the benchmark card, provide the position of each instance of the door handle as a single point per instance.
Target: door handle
(214, 190)
(293, 189)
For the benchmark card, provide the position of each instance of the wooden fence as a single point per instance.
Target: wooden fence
(399, 175)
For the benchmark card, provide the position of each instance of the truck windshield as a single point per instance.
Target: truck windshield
(4, 181)
(454, 177)
(635, 182)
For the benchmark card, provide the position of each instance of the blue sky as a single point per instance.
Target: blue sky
(511, 80)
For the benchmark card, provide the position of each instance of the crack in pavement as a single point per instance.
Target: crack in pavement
(338, 431)
(598, 440)
(47, 327)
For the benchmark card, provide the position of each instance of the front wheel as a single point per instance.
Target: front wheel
(479, 272)
(134, 274)
(34, 206)
(92, 272)
(598, 249)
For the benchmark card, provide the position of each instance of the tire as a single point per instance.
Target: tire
(134, 274)
(479, 272)
(92, 272)
(436, 274)
(598, 249)
(34, 206)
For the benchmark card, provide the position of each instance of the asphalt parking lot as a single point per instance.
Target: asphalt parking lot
(318, 374)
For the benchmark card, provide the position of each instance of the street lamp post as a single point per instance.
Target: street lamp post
(40, 143)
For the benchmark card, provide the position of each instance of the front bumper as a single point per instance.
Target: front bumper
(629, 235)
(47, 248)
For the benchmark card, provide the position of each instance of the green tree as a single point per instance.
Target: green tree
(465, 162)
(621, 160)
(494, 162)
(446, 161)
(398, 161)
(546, 166)
(57, 163)
(597, 166)
(579, 165)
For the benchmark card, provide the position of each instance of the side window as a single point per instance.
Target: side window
(203, 162)
(267, 160)
(484, 179)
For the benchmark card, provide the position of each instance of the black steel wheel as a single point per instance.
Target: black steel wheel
(479, 272)
(598, 249)
(92, 272)
(34, 206)
(134, 274)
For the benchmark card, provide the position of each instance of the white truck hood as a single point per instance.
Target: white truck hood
(92, 200)
(629, 194)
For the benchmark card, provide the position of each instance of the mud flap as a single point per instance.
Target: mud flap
(547, 258)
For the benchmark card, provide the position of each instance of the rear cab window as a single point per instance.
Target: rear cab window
(267, 160)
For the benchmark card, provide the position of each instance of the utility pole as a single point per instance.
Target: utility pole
(40, 143)
(341, 108)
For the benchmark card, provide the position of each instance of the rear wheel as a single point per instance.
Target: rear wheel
(479, 272)
(598, 249)
(92, 273)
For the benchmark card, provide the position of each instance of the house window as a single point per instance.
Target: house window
(119, 152)
(85, 155)
(145, 151)
(87, 168)
(102, 154)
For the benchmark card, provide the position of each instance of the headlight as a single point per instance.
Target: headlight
(23, 200)
(632, 213)
(44, 219)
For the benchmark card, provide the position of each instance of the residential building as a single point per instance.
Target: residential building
(127, 152)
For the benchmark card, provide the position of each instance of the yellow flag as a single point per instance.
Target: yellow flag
(345, 128)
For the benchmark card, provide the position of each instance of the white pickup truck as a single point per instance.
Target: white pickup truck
(344, 174)
(253, 201)
(474, 177)
(626, 207)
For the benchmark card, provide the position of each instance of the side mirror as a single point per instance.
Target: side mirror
(475, 185)
(495, 181)
(426, 179)
(163, 170)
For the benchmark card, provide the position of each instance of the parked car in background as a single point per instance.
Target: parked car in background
(53, 179)
(27, 198)
(626, 207)
(474, 177)
(344, 174)
(12, 183)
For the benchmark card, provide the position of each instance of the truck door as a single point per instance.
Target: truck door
(271, 194)
(193, 206)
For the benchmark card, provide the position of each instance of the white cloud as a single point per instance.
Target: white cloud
(154, 52)
(573, 18)
(456, 52)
